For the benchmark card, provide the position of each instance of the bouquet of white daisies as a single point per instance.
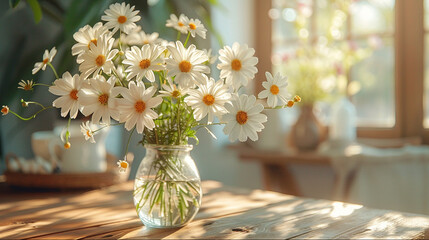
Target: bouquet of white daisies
(160, 89)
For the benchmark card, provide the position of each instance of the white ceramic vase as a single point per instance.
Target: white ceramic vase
(342, 126)
(83, 156)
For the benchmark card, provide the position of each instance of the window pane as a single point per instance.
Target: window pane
(426, 6)
(284, 16)
(375, 102)
(372, 17)
(426, 71)
(348, 41)
(330, 19)
(426, 83)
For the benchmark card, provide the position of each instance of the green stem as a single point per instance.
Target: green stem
(178, 121)
(103, 127)
(68, 132)
(210, 124)
(53, 69)
(120, 42)
(39, 104)
(31, 117)
(129, 140)
(42, 84)
(178, 35)
(201, 125)
(187, 38)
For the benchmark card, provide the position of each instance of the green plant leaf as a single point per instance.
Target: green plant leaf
(37, 11)
(14, 3)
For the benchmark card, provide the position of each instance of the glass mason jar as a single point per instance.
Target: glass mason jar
(167, 189)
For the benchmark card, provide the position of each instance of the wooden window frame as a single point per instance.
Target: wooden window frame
(409, 67)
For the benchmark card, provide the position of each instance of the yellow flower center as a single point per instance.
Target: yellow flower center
(236, 65)
(100, 60)
(140, 106)
(297, 98)
(88, 133)
(208, 99)
(192, 26)
(46, 60)
(241, 117)
(124, 164)
(175, 93)
(73, 94)
(67, 145)
(122, 19)
(274, 89)
(103, 99)
(290, 103)
(92, 41)
(145, 63)
(180, 24)
(185, 66)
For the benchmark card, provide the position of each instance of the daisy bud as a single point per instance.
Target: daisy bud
(290, 103)
(121, 53)
(67, 145)
(5, 110)
(24, 103)
(297, 98)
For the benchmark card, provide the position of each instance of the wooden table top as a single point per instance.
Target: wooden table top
(226, 212)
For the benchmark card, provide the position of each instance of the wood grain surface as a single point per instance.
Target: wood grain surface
(226, 213)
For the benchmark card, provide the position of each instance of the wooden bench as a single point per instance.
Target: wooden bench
(226, 213)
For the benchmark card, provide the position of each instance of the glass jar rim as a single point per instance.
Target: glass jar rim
(169, 147)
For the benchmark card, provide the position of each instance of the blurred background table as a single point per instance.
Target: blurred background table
(276, 173)
(226, 213)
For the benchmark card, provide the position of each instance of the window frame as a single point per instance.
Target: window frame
(409, 68)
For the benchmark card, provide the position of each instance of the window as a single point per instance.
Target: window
(340, 33)
(387, 85)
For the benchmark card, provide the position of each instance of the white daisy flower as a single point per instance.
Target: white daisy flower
(123, 165)
(67, 88)
(171, 90)
(98, 98)
(196, 27)
(85, 36)
(142, 38)
(143, 62)
(26, 85)
(275, 90)
(98, 57)
(237, 65)
(86, 130)
(209, 99)
(135, 106)
(48, 56)
(244, 118)
(121, 16)
(178, 23)
(187, 65)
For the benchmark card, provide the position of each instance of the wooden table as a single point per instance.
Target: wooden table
(226, 213)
